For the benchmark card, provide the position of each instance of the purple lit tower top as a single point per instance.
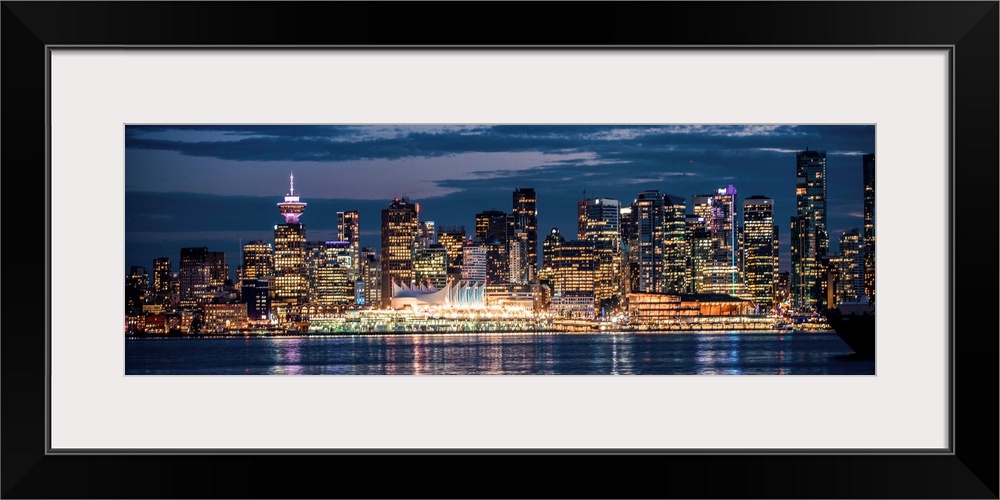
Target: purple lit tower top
(291, 208)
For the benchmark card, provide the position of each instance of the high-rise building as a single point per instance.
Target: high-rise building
(599, 223)
(851, 272)
(161, 276)
(193, 275)
(399, 231)
(258, 260)
(518, 266)
(868, 162)
(719, 213)
(549, 246)
(647, 243)
(371, 276)
(758, 249)
(810, 242)
(430, 266)
(290, 271)
(525, 212)
(349, 229)
(453, 238)
(497, 270)
(136, 285)
(474, 262)
(330, 280)
(425, 234)
(255, 293)
(573, 276)
(675, 244)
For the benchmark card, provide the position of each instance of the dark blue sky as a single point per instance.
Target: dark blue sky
(216, 185)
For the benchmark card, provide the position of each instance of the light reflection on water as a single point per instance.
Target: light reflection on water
(500, 354)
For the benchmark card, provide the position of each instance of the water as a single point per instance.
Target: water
(494, 354)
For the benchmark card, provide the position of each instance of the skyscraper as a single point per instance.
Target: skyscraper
(430, 266)
(371, 278)
(453, 238)
(193, 275)
(474, 262)
(647, 243)
(758, 249)
(868, 162)
(851, 272)
(258, 260)
(161, 279)
(136, 285)
(330, 281)
(675, 244)
(399, 232)
(349, 229)
(525, 212)
(721, 273)
(810, 242)
(573, 277)
(290, 272)
(599, 223)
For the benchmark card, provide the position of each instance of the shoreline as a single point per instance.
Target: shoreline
(442, 333)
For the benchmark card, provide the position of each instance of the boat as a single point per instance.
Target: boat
(854, 323)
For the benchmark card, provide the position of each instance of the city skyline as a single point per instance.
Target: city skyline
(169, 206)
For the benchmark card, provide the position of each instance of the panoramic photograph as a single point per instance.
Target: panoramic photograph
(499, 249)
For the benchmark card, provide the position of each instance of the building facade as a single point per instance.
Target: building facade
(868, 163)
(399, 232)
(810, 241)
(758, 249)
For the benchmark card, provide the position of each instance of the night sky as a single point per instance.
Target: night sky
(214, 186)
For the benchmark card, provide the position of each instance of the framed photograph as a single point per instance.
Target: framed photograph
(624, 216)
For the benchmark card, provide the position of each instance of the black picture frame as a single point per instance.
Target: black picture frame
(969, 28)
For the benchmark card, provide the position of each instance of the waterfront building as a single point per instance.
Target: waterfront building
(650, 308)
(758, 249)
(810, 241)
(518, 265)
(497, 270)
(453, 239)
(868, 163)
(290, 271)
(399, 230)
(455, 295)
(474, 262)
(221, 318)
(525, 214)
(349, 230)
(599, 223)
(430, 266)
(851, 267)
(491, 222)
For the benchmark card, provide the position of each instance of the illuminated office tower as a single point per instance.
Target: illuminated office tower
(647, 242)
(599, 223)
(255, 293)
(453, 238)
(371, 276)
(525, 213)
(517, 259)
(573, 277)
(549, 246)
(675, 244)
(497, 264)
(810, 242)
(868, 162)
(136, 286)
(491, 222)
(290, 271)
(193, 275)
(718, 210)
(258, 260)
(474, 262)
(349, 229)
(330, 281)
(161, 280)
(851, 272)
(700, 249)
(399, 231)
(758, 248)
(430, 266)
(425, 234)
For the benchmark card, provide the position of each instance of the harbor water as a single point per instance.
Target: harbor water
(722, 353)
